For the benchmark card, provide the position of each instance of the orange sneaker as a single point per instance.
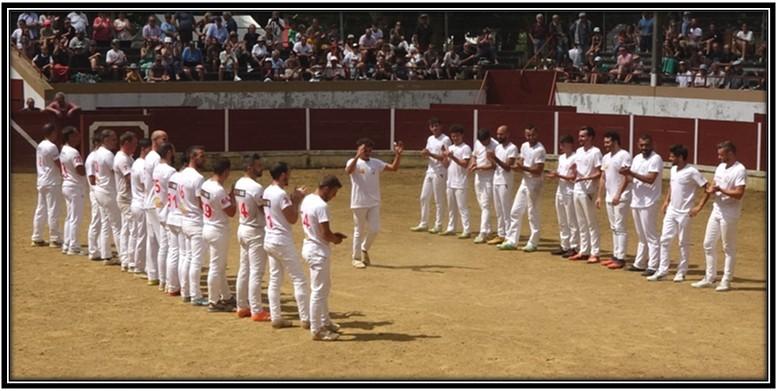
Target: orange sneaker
(261, 316)
(608, 261)
(578, 257)
(243, 312)
(616, 265)
(174, 293)
(593, 259)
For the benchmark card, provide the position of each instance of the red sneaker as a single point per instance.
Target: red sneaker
(578, 257)
(243, 312)
(174, 293)
(608, 261)
(261, 316)
(593, 259)
(616, 265)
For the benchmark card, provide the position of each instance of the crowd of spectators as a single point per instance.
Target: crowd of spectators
(69, 47)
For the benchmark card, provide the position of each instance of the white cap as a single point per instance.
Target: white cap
(597, 29)
(581, 14)
(168, 40)
(598, 58)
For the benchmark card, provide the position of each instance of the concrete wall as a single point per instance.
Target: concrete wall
(662, 101)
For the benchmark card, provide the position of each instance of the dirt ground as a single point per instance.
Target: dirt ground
(430, 307)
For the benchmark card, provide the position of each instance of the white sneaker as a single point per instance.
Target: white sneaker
(702, 284)
(365, 258)
(237, 78)
(656, 277)
(723, 286)
(679, 277)
(480, 239)
(358, 264)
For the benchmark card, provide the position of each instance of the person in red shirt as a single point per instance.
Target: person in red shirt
(62, 108)
(102, 30)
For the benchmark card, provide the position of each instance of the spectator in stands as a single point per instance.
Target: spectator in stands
(217, 32)
(596, 46)
(700, 78)
(558, 38)
(684, 76)
(599, 72)
(250, 37)
(760, 52)
(719, 54)
(185, 25)
(292, 69)
(451, 63)
(61, 108)
(580, 32)
(29, 106)
(645, 27)
(382, 69)
(192, 59)
(303, 49)
(229, 22)
(267, 74)
(686, 25)
(743, 42)
(716, 77)
(123, 30)
(132, 75)
(116, 60)
(21, 31)
(395, 35)
(60, 70)
(424, 31)
(157, 72)
(487, 45)
(78, 48)
(147, 56)
(277, 63)
(170, 56)
(693, 39)
(712, 36)
(275, 26)
(736, 76)
(78, 21)
(624, 65)
(538, 34)
(95, 61)
(168, 28)
(46, 34)
(102, 32)
(43, 61)
(671, 31)
(259, 52)
(152, 32)
(469, 54)
(228, 64)
(366, 41)
(32, 22)
(576, 56)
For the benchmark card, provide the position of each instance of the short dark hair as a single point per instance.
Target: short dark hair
(331, 182)
(727, 145)
(530, 127)
(484, 134)
(613, 136)
(221, 166)
(365, 141)
(433, 120)
(679, 150)
(249, 160)
(192, 150)
(646, 137)
(589, 131)
(106, 133)
(144, 143)
(165, 148)
(126, 137)
(67, 131)
(278, 169)
(456, 128)
(49, 128)
(567, 139)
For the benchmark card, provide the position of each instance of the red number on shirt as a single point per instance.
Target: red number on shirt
(157, 186)
(172, 201)
(305, 221)
(180, 192)
(64, 171)
(243, 210)
(95, 168)
(207, 210)
(269, 221)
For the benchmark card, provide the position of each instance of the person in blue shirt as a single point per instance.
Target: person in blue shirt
(168, 28)
(217, 32)
(192, 59)
(645, 26)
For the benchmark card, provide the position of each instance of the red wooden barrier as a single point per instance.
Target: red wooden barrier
(517, 121)
(516, 107)
(742, 134)
(570, 123)
(410, 126)
(191, 127)
(267, 130)
(339, 129)
(665, 132)
(521, 87)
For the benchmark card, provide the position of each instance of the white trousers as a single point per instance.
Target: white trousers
(218, 244)
(174, 256)
(647, 236)
(724, 228)
(47, 211)
(366, 226)
(434, 184)
(138, 238)
(502, 206)
(567, 221)
(110, 223)
(284, 257)
(617, 216)
(156, 247)
(675, 224)
(458, 209)
(192, 268)
(184, 254)
(587, 225)
(320, 286)
(124, 232)
(484, 192)
(253, 263)
(74, 202)
(525, 198)
(95, 228)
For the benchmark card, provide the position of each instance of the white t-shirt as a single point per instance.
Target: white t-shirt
(278, 229)
(435, 145)
(504, 153)
(46, 155)
(70, 158)
(214, 200)
(105, 182)
(91, 167)
(586, 162)
(174, 215)
(613, 180)
(683, 185)
(137, 183)
(314, 211)
(479, 152)
(152, 159)
(365, 182)
(729, 178)
(746, 36)
(122, 166)
(564, 168)
(531, 156)
(250, 205)
(191, 182)
(457, 175)
(161, 177)
(645, 195)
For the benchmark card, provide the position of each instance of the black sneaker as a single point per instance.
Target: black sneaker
(633, 268)
(648, 272)
(221, 306)
(558, 251)
(569, 253)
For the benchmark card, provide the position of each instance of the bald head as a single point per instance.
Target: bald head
(503, 134)
(157, 138)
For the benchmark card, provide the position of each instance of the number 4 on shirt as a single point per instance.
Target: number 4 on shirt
(305, 221)
(243, 210)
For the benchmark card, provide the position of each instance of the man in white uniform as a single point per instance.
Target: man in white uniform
(457, 158)
(588, 162)
(484, 181)
(217, 208)
(137, 243)
(191, 223)
(122, 168)
(729, 188)
(73, 186)
(565, 208)
(684, 179)
(250, 235)
(49, 188)
(435, 179)
(104, 182)
(161, 177)
(646, 170)
(617, 197)
(503, 157)
(176, 242)
(365, 196)
(281, 211)
(532, 163)
(156, 243)
(316, 251)
(95, 231)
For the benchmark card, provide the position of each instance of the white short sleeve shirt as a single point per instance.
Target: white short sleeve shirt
(250, 206)
(191, 183)
(136, 182)
(729, 178)
(564, 167)
(586, 162)
(683, 185)
(214, 200)
(532, 155)
(314, 211)
(645, 195)
(70, 158)
(479, 153)
(278, 229)
(161, 178)
(365, 182)
(46, 155)
(435, 146)
(504, 153)
(458, 175)
(105, 181)
(151, 160)
(613, 180)
(122, 166)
